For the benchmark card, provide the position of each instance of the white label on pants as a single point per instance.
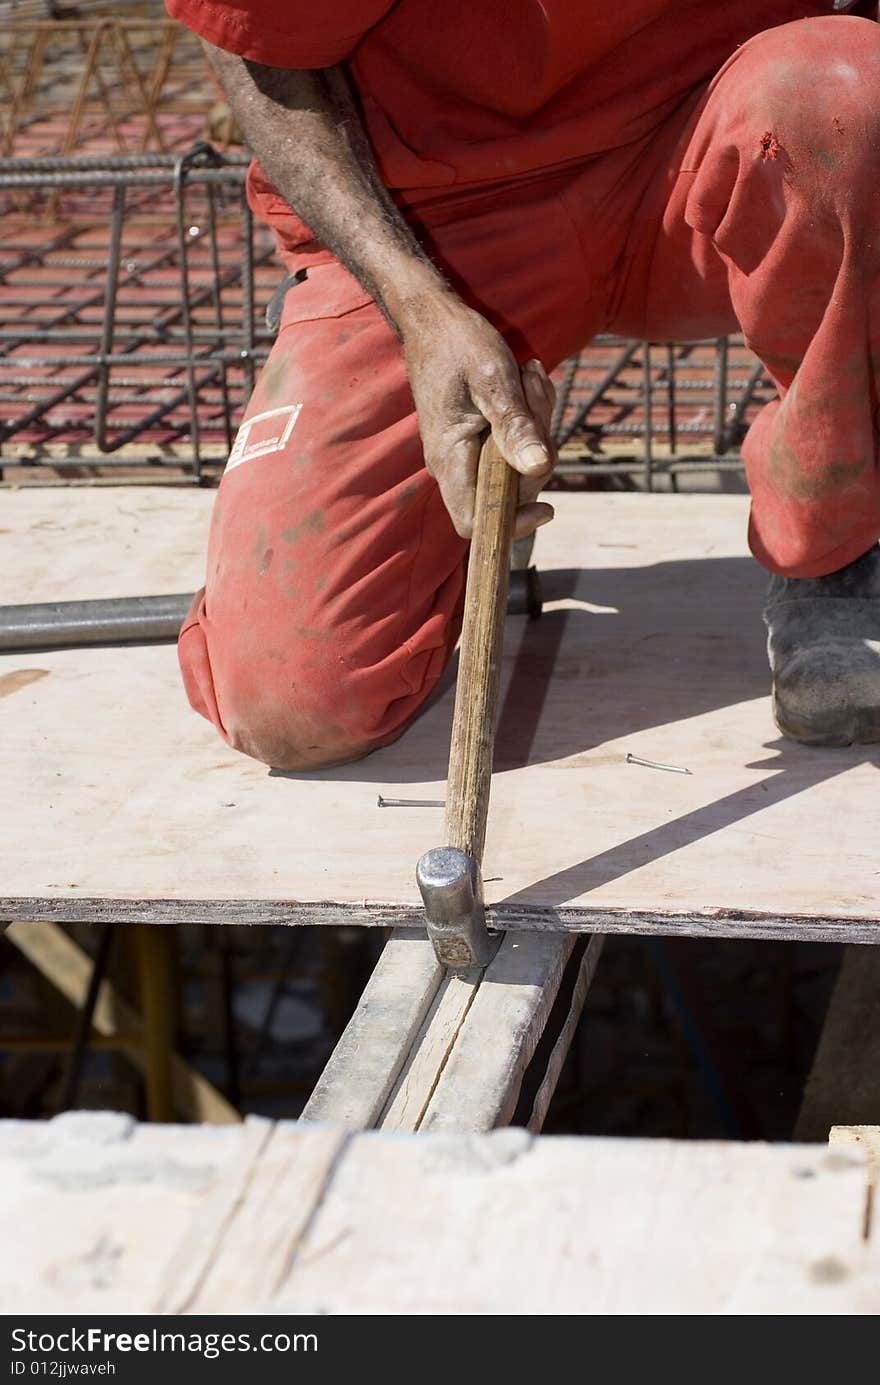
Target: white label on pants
(262, 434)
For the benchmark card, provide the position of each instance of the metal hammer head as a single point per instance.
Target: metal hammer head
(451, 889)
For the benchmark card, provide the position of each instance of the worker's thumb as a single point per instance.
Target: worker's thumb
(519, 441)
(517, 433)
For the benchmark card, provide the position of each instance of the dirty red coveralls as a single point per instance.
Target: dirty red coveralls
(658, 168)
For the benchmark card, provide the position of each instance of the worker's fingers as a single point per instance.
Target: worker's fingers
(540, 397)
(531, 517)
(540, 390)
(498, 391)
(457, 482)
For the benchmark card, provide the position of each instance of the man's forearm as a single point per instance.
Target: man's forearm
(305, 129)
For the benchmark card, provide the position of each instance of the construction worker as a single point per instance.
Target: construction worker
(465, 193)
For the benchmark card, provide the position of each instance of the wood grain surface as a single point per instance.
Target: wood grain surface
(120, 803)
(110, 1217)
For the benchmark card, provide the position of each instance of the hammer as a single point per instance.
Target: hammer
(450, 877)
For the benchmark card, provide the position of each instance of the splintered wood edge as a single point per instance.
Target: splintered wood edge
(710, 923)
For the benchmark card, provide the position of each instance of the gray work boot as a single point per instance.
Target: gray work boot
(824, 651)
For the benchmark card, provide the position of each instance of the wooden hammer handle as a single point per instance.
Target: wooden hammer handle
(479, 667)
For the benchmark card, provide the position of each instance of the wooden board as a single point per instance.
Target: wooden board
(364, 1067)
(429, 1050)
(110, 1217)
(120, 803)
(478, 1083)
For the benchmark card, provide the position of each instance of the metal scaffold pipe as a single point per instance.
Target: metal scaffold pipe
(110, 620)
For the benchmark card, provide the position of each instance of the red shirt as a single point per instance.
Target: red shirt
(471, 91)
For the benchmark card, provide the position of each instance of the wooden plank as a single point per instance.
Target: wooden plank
(503, 1223)
(74, 544)
(479, 1082)
(364, 1066)
(432, 1047)
(69, 968)
(99, 1209)
(427, 1049)
(843, 1087)
(243, 1254)
(651, 643)
(709, 923)
(108, 1217)
(203, 1233)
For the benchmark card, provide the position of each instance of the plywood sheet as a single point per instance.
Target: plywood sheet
(119, 802)
(109, 1217)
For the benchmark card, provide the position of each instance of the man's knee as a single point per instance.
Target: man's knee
(308, 704)
(275, 706)
(304, 722)
(817, 80)
(790, 141)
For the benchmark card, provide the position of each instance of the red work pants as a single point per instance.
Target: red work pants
(334, 577)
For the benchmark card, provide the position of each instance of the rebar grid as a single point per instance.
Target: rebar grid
(652, 409)
(134, 324)
(130, 335)
(110, 77)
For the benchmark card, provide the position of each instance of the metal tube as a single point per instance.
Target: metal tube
(181, 169)
(108, 178)
(634, 466)
(106, 621)
(109, 319)
(563, 394)
(129, 434)
(134, 334)
(670, 406)
(116, 163)
(163, 358)
(646, 406)
(217, 300)
(636, 430)
(734, 423)
(671, 386)
(720, 432)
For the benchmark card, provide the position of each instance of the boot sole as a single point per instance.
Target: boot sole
(853, 728)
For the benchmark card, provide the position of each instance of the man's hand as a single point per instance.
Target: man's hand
(305, 129)
(464, 378)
